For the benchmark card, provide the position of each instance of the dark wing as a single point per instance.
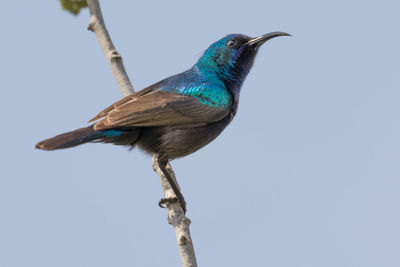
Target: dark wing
(158, 108)
(129, 98)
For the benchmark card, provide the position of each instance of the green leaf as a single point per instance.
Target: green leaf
(73, 6)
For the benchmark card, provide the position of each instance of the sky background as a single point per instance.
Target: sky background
(307, 174)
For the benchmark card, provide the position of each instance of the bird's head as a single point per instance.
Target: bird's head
(232, 57)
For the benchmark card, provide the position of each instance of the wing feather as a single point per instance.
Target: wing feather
(158, 108)
(125, 100)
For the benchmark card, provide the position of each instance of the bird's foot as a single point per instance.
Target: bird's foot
(172, 200)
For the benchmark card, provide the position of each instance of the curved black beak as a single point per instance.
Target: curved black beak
(258, 41)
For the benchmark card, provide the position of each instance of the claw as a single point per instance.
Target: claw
(162, 203)
(167, 201)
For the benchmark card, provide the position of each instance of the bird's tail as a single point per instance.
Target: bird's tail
(123, 136)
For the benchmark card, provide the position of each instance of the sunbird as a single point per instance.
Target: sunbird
(180, 114)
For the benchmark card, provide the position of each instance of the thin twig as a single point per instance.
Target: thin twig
(96, 24)
(176, 217)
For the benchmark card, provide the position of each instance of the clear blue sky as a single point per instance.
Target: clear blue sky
(306, 175)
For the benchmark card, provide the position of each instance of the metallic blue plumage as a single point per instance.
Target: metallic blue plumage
(215, 79)
(112, 133)
(207, 89)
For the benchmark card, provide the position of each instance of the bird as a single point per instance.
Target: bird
(180, 114)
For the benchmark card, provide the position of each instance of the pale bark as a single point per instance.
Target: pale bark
(96, 24)
(176, 217)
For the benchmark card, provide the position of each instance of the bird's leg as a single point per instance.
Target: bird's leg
(179, 197)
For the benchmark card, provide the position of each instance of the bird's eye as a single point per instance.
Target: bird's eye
(231, 43)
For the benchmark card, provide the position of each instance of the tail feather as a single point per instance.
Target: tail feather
(120, 136)
(69, 139)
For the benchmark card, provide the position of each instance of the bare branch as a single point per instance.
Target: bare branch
(176, 216)
(96, 24)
